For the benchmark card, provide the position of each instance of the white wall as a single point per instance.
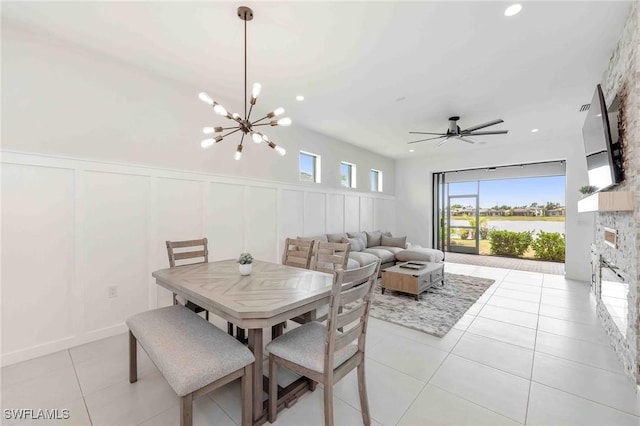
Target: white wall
(61, 99)
(414, 192)
(71, 228)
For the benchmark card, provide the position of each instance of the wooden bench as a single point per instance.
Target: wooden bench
(193, 355)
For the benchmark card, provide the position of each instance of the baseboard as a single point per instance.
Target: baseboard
(60, 345)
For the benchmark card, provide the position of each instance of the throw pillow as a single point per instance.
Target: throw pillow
(387, 234)
(359, 235)
(356, 244)
(336, 238)
(373, 238)
(394, 241)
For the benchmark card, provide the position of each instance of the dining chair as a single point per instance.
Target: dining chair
(186, 258)
(323, 353)
(297, 253)
(325, 257)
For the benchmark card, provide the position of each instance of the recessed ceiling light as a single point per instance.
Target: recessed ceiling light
(535, 130)
(514, 9)
(300, 98)
(412, 150)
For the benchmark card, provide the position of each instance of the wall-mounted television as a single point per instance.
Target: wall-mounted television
(602, 143)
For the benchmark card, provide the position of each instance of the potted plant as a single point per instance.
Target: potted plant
(245, 263)
(587, 190)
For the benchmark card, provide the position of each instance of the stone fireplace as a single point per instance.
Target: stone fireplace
(619, 263)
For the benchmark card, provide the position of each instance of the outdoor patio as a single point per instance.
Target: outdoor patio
(554, 268)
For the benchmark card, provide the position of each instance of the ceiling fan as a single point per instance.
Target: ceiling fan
(454, 132)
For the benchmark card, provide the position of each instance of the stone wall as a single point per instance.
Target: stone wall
(622, 78)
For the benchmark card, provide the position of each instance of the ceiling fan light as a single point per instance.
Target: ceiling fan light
(205, 98)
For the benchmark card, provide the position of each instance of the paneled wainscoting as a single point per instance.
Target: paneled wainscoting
(74, 229)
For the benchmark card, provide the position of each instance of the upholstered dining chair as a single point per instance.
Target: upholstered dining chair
(323, 353)
(187, 258)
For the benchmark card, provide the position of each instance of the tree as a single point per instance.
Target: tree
(456, 206)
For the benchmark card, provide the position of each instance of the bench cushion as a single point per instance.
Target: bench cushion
(305, 346)
(189, 351)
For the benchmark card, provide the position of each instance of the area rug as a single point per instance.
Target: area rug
(438, 309)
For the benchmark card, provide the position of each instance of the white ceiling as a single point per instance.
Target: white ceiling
(352, 61)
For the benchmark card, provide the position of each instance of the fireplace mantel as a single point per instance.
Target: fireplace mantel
(609, 201)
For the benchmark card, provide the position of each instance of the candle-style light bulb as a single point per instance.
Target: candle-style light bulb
(284, 122)
(208, 130)
(207, 143)
(238, 155)
(205, 98)
(280, 150)
(220, 110)
(256, 137)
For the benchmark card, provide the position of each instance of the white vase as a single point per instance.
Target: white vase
(245, 269)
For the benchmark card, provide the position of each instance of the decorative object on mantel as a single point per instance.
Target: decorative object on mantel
(243, 123)
(245, 263)
(611, 237)
(607, 201)
(438, 309)
(588, 190)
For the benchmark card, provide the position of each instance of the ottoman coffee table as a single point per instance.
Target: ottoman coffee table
(412, 277)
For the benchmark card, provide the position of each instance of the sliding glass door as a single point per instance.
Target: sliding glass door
(462, 218)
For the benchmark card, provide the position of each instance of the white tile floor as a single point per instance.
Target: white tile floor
(530, 351)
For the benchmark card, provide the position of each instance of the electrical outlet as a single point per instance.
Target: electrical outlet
(112, 291)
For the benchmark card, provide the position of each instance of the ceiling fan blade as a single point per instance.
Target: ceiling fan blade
(443, 141)
(483, 125)
(428, 139)
(494, 132)
(466, 139)
(427, 133)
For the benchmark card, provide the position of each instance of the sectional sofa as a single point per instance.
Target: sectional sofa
(368, 247)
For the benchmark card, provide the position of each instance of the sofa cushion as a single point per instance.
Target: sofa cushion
(387, 234)
(352, 263)
(359, 235)
(337, 238)
(393, 241)
(322, 237)
(373, 238)
(384, 255)
(393, 250)
(424, 254)
(362, 258)
(356, 244)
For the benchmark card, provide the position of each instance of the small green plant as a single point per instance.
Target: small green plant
(588, 189)
(508, 243)
(245, 259)
(549, 246)
(464, 234)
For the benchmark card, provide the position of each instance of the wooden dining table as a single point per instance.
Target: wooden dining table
(270, 295)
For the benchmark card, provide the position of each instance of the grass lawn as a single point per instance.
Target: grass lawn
(516, 218)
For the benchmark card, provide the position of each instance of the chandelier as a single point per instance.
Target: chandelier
(244, 124)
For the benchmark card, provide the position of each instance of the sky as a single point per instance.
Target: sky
(513, 192)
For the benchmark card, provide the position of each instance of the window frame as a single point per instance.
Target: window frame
(352, 174)
(378, 187)
(317, 176)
